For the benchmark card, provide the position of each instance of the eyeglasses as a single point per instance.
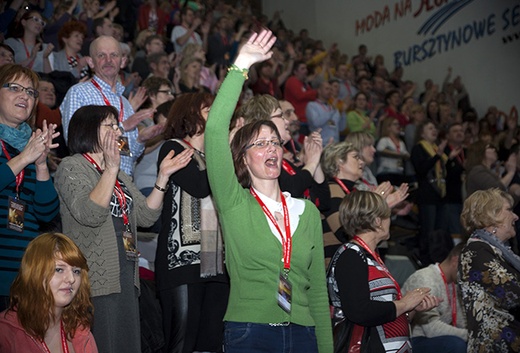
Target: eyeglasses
(39, 20)
(279, 116)
(259, 144)
(167, 91)
(287, 114)
(114, 126)
(16, 88)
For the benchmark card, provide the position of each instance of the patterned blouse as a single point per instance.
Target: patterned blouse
(490, 289)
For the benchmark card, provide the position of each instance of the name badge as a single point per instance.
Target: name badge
(16, 214)
(284, 293)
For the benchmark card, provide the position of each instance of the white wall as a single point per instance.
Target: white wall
(489, 67)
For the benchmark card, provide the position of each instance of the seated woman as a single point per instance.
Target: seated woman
(50, 307)
(343, 166)
(272, 303)
(101, 209)
(480, 167)
(361, 288)
(489, 273)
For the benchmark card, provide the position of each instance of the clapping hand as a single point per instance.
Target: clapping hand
(171, 164)
(42, 142)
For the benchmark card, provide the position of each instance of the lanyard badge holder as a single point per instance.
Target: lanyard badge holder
(284, 293)
(15, 206)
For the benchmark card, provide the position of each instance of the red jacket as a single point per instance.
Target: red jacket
(144, 15)
(14, 339)
(296, 93)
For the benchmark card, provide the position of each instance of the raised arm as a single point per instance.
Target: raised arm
(221, 174)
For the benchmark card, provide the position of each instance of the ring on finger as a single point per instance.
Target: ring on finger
(42, 138)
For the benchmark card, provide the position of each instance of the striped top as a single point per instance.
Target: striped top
(363, 291)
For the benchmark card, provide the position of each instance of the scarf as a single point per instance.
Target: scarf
(440, 169)
(16, 137)
(200, 224)
(507, 253)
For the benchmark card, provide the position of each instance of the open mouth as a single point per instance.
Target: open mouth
(272, 162)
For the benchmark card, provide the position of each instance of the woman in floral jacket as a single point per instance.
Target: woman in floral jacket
(489, 273)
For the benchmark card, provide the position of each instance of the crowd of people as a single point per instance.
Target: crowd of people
(270, 170)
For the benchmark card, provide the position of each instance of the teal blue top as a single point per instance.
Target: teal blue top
(253, 253)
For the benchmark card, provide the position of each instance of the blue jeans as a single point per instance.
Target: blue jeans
(444, 344)
(247, 337)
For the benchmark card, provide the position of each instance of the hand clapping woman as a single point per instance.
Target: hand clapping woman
(101, 209)
(27, 196)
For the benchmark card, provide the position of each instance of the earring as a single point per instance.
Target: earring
(494, 231)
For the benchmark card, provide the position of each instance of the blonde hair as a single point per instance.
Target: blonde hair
(331, 156)
(482, 208)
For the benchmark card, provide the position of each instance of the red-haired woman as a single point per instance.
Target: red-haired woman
(50, 307)
(71, 37)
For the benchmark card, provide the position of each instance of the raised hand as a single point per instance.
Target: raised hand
(48, 133)
(256, 49)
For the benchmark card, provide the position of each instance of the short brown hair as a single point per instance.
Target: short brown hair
(359, 211)
(482, 208)
(185, 118)
(11, 72)
(243, 137)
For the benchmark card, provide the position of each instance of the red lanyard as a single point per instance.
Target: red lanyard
(343, 186)
(453, 302)
(381, 263)
(288, 168)
(118, 190)
(396, 144)
(64, 345)
(19, 176)
(347, 86)
(287, 239)
(107, 102)
(27, 53)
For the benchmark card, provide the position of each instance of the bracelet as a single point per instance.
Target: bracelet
(160, 188)
(242, 71)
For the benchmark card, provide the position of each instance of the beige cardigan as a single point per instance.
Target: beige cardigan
(90, 225)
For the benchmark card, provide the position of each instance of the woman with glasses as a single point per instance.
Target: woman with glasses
(101, 209)
(358, 119)
(273, 242)
(26, 42)
(27, 196)
(191, 282)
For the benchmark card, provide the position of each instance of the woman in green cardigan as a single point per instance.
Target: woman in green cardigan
(274, 246)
